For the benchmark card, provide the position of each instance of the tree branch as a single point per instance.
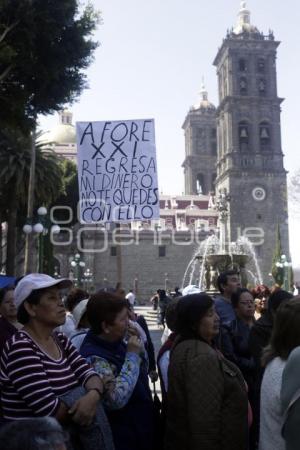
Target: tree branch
(7, 30)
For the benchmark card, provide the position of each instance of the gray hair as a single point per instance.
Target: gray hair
(43, 433)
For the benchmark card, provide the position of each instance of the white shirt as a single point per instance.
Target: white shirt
(68, 327)
(165, 335)
(164, 366)
(270, 407)
(131, 298)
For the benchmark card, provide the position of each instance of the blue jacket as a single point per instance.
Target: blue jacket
(224, 310)
(132, 426)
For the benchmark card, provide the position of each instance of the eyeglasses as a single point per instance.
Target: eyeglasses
(250, 302)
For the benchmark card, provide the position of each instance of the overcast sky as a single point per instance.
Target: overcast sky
(151, 60)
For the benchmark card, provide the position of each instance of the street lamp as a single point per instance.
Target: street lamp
(56, 272)
(78, 265)
(285, 266)
(41, 225)
(87, 279)
(105, 282)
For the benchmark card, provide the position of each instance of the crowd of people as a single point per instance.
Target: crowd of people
(77, 368)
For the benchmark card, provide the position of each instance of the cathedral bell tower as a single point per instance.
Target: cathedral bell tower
(250, 159)
(200, 147)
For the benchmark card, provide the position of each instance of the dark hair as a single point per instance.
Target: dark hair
(104, 307)
(222, 278)
(41, 433)
(3, 292)
(74, 297)
(33, 299)
(276, 298)
(236, 296)
(260, 291)
(286, 331)
(171, 314)
(190, 310)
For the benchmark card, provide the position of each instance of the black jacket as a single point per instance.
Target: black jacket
(259, 337)
(235, 347)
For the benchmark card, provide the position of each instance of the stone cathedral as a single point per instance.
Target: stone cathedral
(237, 146)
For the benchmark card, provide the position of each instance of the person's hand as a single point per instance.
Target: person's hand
(153, 376)
(132, 331)
(134, 345)
(84, 410)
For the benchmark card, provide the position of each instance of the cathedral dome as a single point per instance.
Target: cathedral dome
(243, 23)
(205, 104)
(63, 133)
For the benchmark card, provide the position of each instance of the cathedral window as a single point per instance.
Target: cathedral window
(200, 186)
(243, 136)
(242, 65)
(113, 251)
(243, 86)
(264, 136)
(262, 86)
(162, 251)
(261, 65)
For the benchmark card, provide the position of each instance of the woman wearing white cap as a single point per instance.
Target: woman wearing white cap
(39, 368)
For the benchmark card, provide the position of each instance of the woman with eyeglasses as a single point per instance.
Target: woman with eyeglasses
(235, 335)
(235, 340)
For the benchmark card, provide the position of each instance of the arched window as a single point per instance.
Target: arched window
(261, 65)
(243, 86)
(262, 85)
(200, 187)
(243, 136)
(242, 65)
(265, 136)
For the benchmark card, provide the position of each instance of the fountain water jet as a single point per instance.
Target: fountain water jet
(215, 255)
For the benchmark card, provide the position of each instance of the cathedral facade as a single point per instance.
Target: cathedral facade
(248, 163)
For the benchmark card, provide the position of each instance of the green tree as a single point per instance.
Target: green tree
(70, 195)
(14, 175)
(48, 46)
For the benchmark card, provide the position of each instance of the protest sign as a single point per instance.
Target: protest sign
(117, 171)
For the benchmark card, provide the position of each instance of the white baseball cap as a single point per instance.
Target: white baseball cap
(191, 289)
(35, 281)
(79, 310)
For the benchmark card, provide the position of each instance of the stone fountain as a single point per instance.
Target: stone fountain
(216, 254)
